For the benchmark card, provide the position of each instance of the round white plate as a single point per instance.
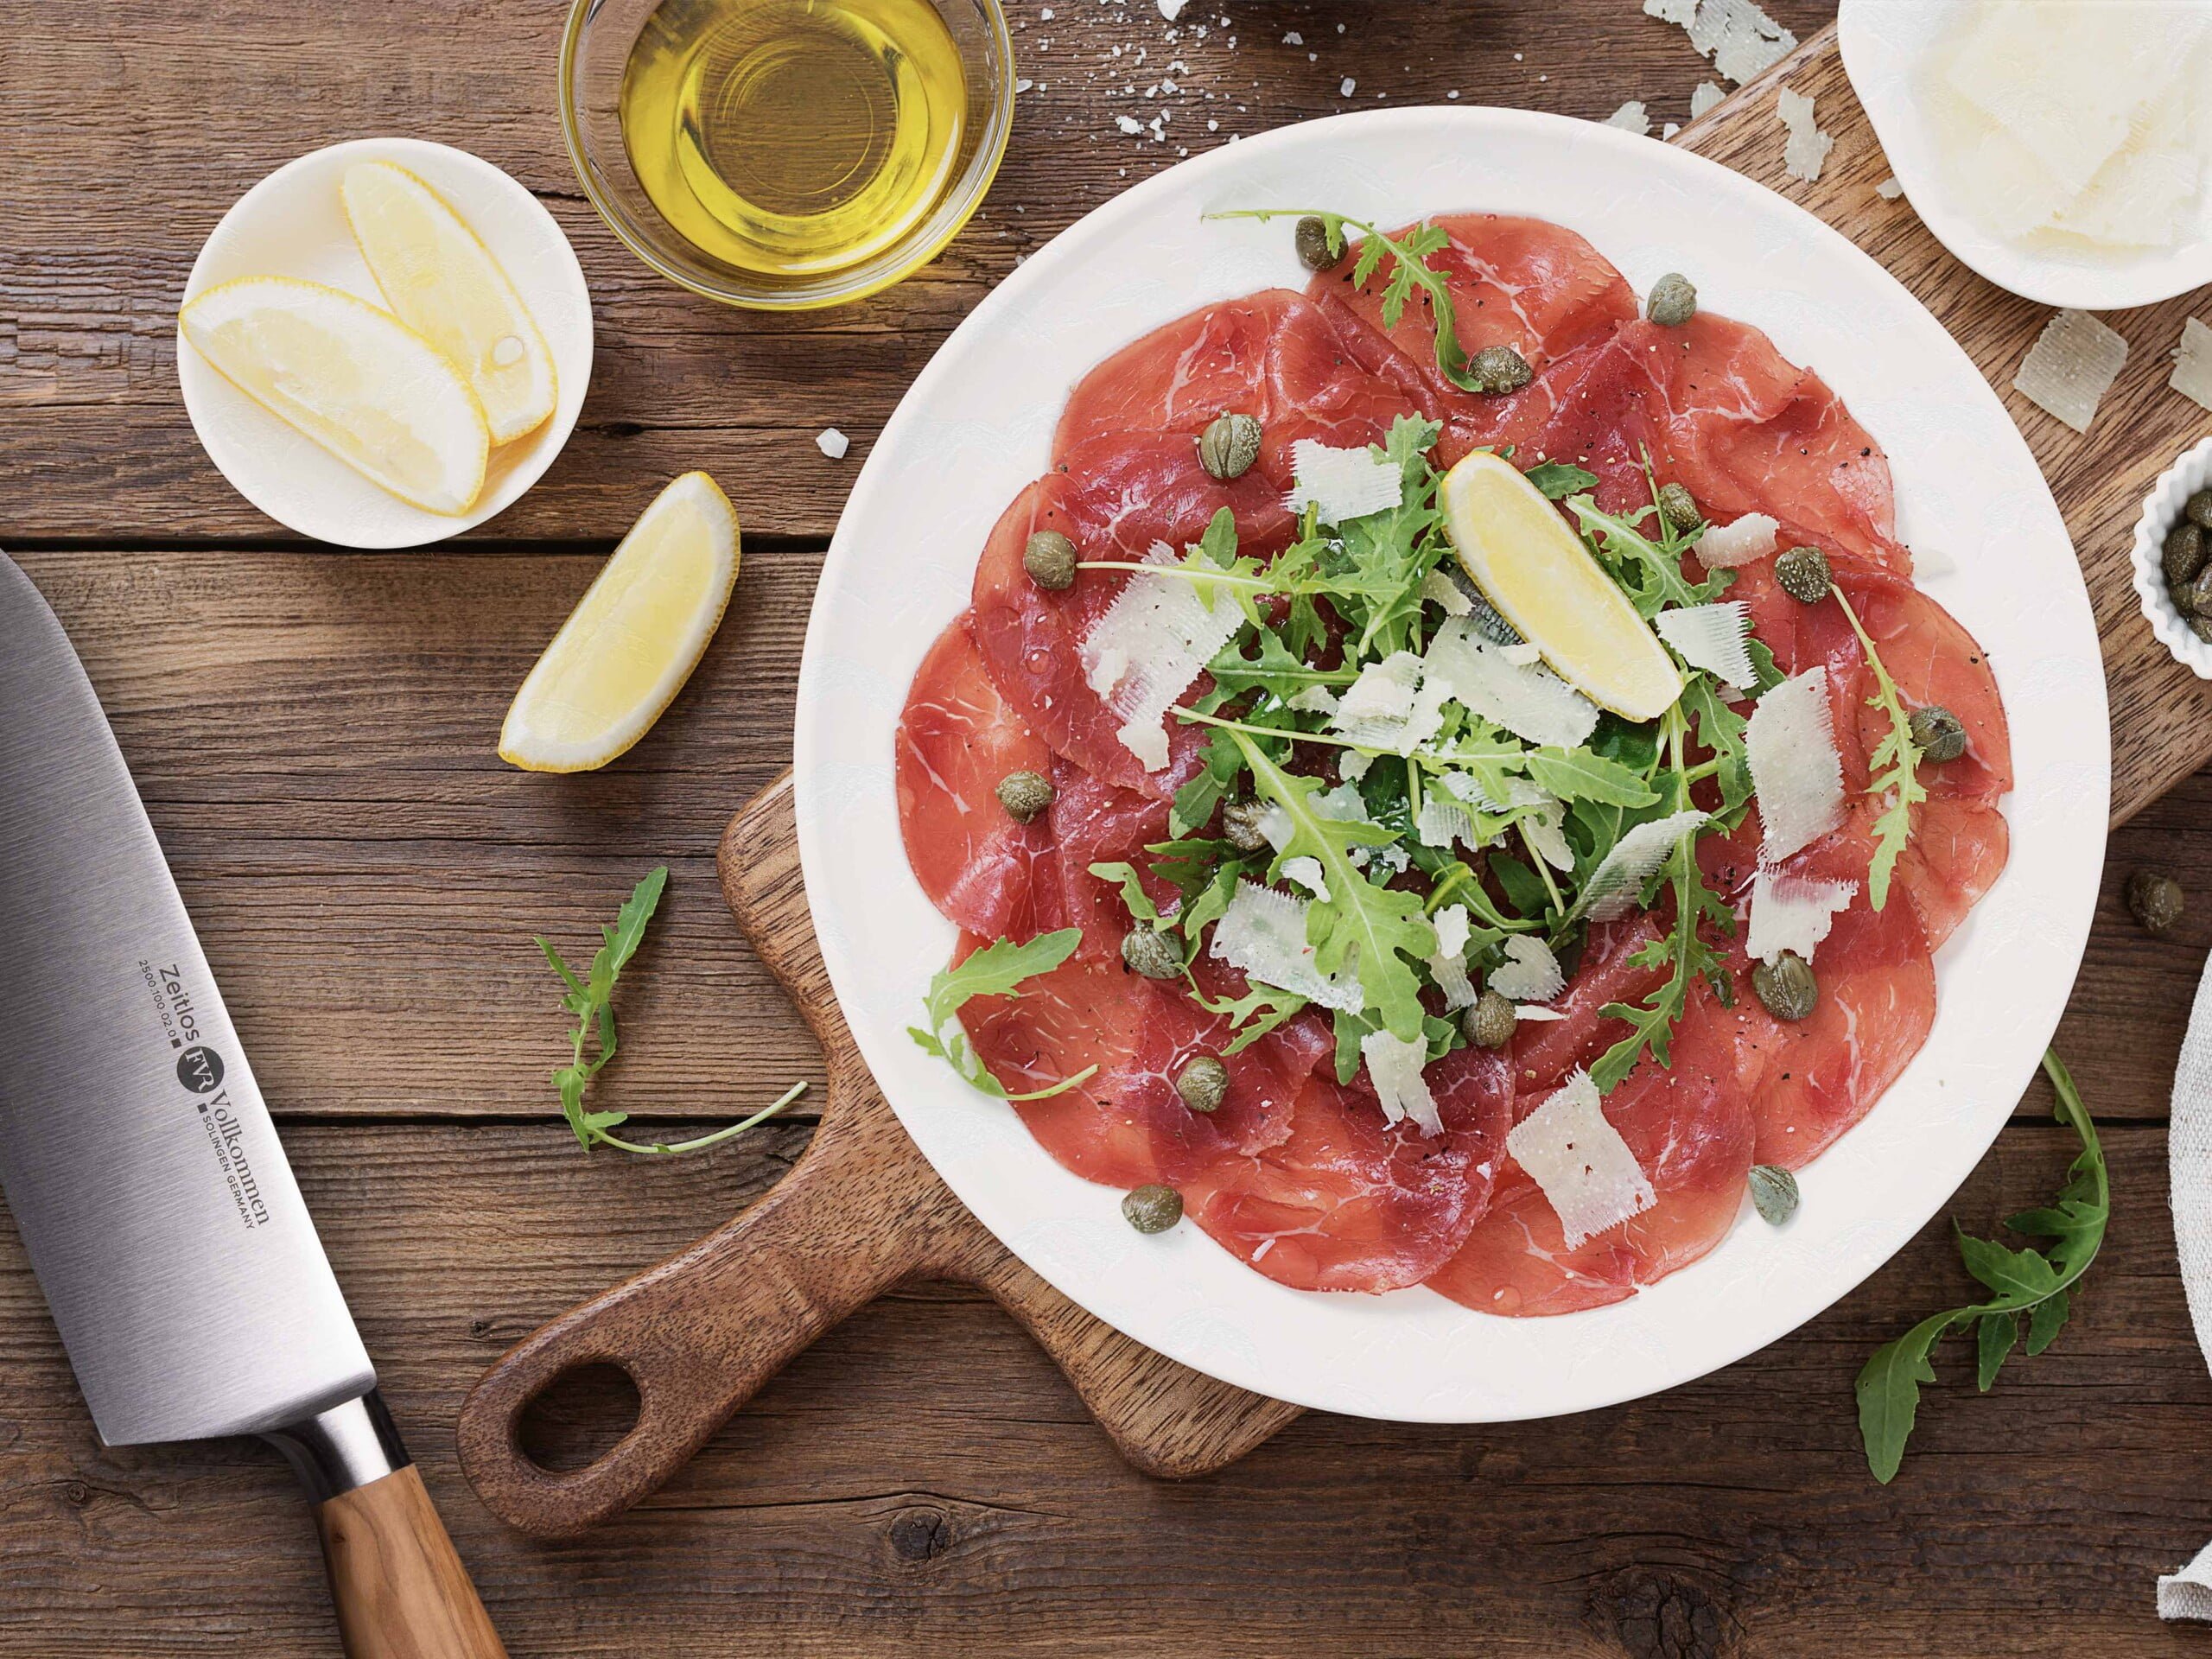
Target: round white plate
(1885, 43)
(978, 426)
(292, 225)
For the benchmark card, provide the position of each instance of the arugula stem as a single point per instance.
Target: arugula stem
(1544, 870)
(703, 1141)
(1192, 715)
(1226, 578)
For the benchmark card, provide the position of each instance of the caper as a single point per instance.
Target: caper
(1153, 1209)
(1240, 826)
(2155, 898)
(1312, 238)
(2199, 509)
(1786, 985)
(1491, 1021)
(1499, 369)
(1673, 300)
(2194, 597)
(2185, 551)
(2202, 627)
(1774, 1194)
(1803, 574)
(1229, 445)
(1938, 734)
(1679, 508)
(1049, 557)
(1203, 1083)
(1024, 795)
(1148, 951)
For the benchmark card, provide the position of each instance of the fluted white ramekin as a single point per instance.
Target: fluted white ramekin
(2161, 512)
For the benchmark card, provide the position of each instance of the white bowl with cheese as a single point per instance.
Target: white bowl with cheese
(2162, 511)
(1891, 49)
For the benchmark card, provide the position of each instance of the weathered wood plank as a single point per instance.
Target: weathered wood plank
(129, 131)
(878, 1499)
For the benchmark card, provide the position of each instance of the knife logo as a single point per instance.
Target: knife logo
(200, 1069)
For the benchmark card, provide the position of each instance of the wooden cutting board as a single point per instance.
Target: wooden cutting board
(862, 1211)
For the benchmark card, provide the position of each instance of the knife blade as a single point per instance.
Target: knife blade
(137, 1156)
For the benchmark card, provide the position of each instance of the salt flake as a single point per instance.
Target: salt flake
(2192, 375)
(1631, 116)
(832, 443)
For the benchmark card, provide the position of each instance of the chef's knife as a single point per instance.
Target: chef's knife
(153, 1197)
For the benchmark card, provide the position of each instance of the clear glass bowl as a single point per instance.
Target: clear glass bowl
(595, 53)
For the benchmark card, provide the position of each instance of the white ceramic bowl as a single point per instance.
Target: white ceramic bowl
(292, 224)
(2161, 512)
(977, 425)
(1886, 42)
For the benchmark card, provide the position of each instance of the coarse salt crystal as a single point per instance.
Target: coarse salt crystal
(1171, 10)
(1348, 88)
(2070, 367)
(1631, 118)
(2192, 375)
(1889, 189)
(1294, 39)
(832, 443)
(1707, 95)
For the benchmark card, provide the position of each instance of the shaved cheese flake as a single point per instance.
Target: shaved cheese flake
(1547, 833)
(1152, 641)
(1448, 967)
(1442, 823)
(1704, 99)
(1889, 189)
(1455, 927)
(1529, 701)
(1742, 40)
(1342, 485)
(1393, 1066)
(1522, 655)
(1394, 705)
(1792, 912)
(1530, 972)
(2069, 368)
(1615, 884)
(1315, 699)
(1790, 743)
(1438, 588)
(1579, 1159)
(1344, 803)
(1307, 873)
(2192, 375)
(1631, 118)
(1263, 932)
(1723, 547)
(1525, 1016)
(1713, 638)
(1808, 147)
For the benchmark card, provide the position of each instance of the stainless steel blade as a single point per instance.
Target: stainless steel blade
(135, 1152)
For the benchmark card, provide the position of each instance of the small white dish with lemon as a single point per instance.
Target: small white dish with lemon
(430, 402)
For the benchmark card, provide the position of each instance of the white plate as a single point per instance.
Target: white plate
(978, 426)
(292, 225)
(1884, 44)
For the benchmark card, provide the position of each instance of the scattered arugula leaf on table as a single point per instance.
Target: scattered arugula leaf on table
(997, 969)
(590, 999)
(2038, 1283)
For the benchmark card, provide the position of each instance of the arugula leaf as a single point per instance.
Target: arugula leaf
(1275, 670)
(1220, 764)
(1370, 929)
(1258, 1011)
(1135, 898)
(2040, 1283)
(1894, 768)
(1649, 572)
(1559, 479)
(590, 999)
(1582, 775)
(997, 969)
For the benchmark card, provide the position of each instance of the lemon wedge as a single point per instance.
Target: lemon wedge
(1520, 552)
(356, 379)
(440, 279)
(634, 639)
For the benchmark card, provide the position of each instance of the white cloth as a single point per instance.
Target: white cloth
(2187, 1592)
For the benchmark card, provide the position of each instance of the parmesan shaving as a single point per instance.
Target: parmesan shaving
(1448, 967)
(1442, 822)
(1393, 1065)
(1790, 743)
(1631, 118)
(1437, 588)
(2192, 375)
(1579, 1159)
(2070, 367)
(1263, 932)
(1725, 546)
(1808, 147)
(1547, 833)
(1152, 641)
(1704, 98)
(1529, 701)
(1394, 704)
(1889, 189)
(1530, 972)
(1315, 699)
(1307, 873)
(1341, 484)
(1792, 912)
(832, 443)
(1713, 638)
(1617, 882)
(1742, 40)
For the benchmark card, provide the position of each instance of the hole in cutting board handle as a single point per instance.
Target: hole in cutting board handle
(579, 1417)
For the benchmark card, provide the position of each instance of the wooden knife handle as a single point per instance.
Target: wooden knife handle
(400, 1588)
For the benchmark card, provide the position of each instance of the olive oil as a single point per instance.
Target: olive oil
(790, 138)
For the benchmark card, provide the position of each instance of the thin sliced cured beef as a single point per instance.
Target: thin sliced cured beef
(1690, 1127)
(1545, 1051)
(1957, 851)
(1274, 355)
(1749, 431)
(1094, 821)
(1115, 500)
(1347, 1202)
(957, 738)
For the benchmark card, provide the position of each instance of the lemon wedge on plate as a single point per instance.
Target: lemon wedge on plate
(634, 639)
(356, 380)
(440, 279)
(1520, 552)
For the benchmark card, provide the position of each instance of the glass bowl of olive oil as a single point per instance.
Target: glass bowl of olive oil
(785, 155)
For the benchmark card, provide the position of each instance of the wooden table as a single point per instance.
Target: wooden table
(313, 733)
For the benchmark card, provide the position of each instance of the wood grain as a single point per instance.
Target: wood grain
(401, 1592)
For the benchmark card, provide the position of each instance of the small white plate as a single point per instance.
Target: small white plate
(292, 225)
(1885, 43)
(977, 425)
(2161, 512)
